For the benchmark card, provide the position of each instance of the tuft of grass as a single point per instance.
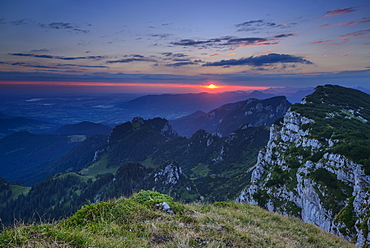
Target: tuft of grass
(139, 221)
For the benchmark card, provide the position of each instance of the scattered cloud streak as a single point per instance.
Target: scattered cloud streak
(23, 21)
(263, 60)
(132, 58)
(339, 11)
(358, 34)
(55, 57)
(160, 36)
(170, 55)
(320, 42)
(231, 42)
(52, 66)
(53, 25)
(64, 25)
(179, 64)
(254, 25)
(363, 20)
(179, 59)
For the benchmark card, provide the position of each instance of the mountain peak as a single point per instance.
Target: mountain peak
(316, 165)
(135, 140)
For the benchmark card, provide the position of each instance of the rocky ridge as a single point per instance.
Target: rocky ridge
(302, 175)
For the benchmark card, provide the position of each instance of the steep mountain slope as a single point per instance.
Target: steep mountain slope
(229, 117)
(80, 156)
(136, 140)
(316, 165)
(150, 219)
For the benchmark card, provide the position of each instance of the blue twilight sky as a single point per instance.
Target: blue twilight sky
(181, 45)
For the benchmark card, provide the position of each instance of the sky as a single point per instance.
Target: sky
(182, 46)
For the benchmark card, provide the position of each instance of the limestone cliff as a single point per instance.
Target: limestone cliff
(316, 164)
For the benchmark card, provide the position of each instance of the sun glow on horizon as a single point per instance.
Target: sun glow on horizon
(211, 86)
(129, 87)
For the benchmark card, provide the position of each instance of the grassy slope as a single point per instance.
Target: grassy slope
(137, 222)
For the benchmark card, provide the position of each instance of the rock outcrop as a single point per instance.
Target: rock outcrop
(303, 172)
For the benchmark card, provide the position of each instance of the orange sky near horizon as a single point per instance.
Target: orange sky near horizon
(143, 87)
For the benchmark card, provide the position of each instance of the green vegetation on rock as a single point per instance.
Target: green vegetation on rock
(343, 116)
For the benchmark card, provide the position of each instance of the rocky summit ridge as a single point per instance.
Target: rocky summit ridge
(315, 165)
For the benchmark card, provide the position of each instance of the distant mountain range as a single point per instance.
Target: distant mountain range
(83, 128)
(171, 106)
(227, 118)
(9, 125)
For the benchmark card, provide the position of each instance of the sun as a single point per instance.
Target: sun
(211, 86)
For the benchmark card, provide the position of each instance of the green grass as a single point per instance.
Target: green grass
(139, 222)
(99, 167)
(18, 190)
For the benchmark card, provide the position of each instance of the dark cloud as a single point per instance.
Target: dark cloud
(190, 42)
(64, 25)
(263, 60)
(284, 35)
(32, 55)
(132, 59)
(254, 25)
(52, 66)
(161, 36)
(175, 55)
(245, 41)
(340, 11)
(33, 65)
(179, 64)
(24, 21)
(53, 25)
(178, 59)
(55, 57)
(84, 66)
(137, 56)
(40, 50)
(231, 42)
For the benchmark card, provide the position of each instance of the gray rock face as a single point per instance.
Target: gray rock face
(322, 191)
(169, 175)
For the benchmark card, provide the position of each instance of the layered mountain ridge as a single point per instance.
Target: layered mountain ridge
(315, 165)
(142, 154)
(227, 118)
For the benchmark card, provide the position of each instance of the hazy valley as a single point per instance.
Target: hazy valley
(309, 160)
